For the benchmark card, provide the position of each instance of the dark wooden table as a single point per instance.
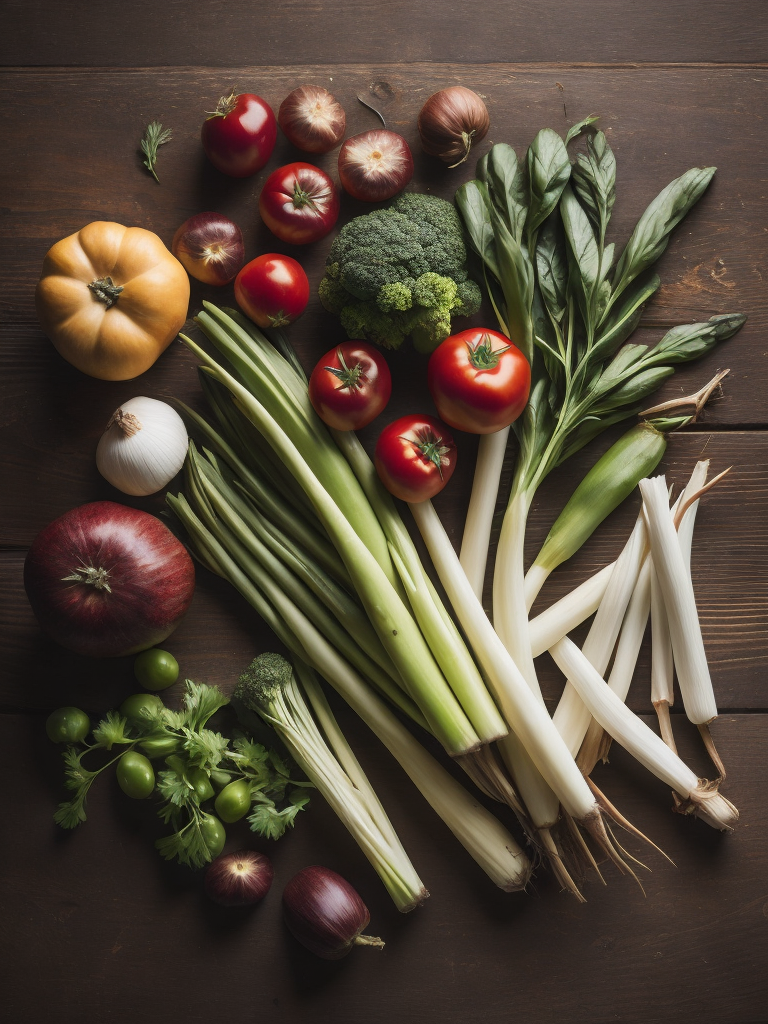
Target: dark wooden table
(96, 927)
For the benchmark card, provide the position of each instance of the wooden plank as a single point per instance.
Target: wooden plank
(72, 164)
(90, 910)
(235, 32)
(730, 565)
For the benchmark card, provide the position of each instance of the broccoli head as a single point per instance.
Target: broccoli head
(399, 272)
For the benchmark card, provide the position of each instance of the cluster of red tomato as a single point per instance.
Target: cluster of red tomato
(478, 380)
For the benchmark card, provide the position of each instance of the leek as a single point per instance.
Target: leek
(482, 835)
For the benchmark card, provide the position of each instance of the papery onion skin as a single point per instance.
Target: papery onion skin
(312, 119)
(375, 165)
(148, 571)
(239, 879)
(325, 914)
(210, 248)
(451, 122)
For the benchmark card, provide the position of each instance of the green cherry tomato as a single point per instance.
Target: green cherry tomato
(156, 669)
(220, 778)
(213, 834)
(133, 707)
(67, 725)
(234, 801)
(135, 775)
(201, 783)
(160, 746)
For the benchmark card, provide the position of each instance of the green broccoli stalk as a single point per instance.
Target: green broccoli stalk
(400, 272)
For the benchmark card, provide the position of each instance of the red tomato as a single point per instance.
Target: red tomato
(299, 203)
(239, 136)
(415, 457)
(272, 290)
(479, 381)
(350, 385)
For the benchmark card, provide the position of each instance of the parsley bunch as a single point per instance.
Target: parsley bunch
(198, 760)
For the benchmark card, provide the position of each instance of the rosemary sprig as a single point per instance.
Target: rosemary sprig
(154, 137)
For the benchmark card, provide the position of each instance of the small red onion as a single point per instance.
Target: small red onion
(239, 879)
(106, 580)
(312, 119)
(375, 165)
(451, 122)
(325, 914)
(210, 248)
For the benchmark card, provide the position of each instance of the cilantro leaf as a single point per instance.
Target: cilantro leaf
(111, 730)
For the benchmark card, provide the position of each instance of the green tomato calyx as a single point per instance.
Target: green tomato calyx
(483, 356)
(351, 377)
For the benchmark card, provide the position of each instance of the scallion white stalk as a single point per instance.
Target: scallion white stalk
(524, 712)
(610, 711)
(571, 716)
(677, 590)
(570, 611)
(482, 505)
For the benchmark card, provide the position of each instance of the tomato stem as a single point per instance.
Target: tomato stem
(301, 197)
(432, 448)
(351, 377)
(483, 357)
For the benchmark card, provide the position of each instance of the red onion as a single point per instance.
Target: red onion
(450, 123)
(210, 248)
(312, 119)
(325, 914)
(375, 165)
(239, 879)
(106, 580)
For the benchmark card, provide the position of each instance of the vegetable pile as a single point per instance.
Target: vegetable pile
(280, 498)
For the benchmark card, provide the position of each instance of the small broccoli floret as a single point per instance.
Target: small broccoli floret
(468, 298)
(262, 681)
(333, 295)
(435, 292)
(366, 320)
(432, 327)
(394, 297)
(396, 271)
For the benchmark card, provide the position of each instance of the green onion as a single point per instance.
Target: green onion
(318, 746)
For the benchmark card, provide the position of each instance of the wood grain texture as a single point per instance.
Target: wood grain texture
(76, 160)
(226, 33)
(101, 922)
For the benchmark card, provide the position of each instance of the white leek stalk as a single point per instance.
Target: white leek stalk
(571, 716)
(524, 712)
(677, 590)
(662, 658)
(570, 611)
(633, 734)
(482, 504)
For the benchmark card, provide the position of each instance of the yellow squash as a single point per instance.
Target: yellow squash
(112, 299)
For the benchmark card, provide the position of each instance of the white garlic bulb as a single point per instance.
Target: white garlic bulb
(143, 446)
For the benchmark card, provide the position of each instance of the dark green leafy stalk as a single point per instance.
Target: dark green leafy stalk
(154, 137)
(198, 750)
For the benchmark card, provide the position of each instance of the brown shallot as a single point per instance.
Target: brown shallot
(451, 122)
